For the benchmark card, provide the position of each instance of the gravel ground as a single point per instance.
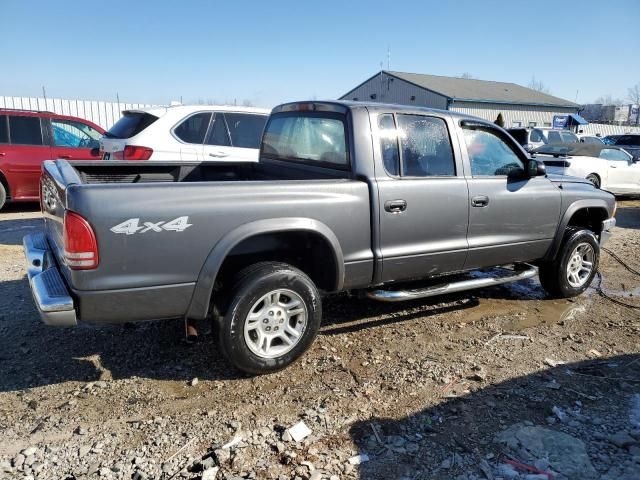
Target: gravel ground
(496, 383)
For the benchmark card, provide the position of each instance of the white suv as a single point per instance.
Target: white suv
(186, 132)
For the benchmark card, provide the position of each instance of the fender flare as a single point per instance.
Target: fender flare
(201, 299)
(564, 221)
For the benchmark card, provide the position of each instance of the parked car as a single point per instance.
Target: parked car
(28, 138)
(590, 139)
(606, 166)
(532, 138)
(610, 139)
(346, 196)
(630, 142)
(190, 133)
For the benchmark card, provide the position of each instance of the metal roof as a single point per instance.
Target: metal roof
(472, 90)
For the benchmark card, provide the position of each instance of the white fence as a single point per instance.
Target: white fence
(605, 129)
(104, 114)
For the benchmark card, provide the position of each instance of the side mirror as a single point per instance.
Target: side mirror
(95, 151)
(536, 168)
(635, 159)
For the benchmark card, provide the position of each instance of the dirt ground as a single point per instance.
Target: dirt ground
(496, 383)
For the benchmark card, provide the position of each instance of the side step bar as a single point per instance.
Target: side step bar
(517, 274)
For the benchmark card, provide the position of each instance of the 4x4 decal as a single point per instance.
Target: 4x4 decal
(131, 226)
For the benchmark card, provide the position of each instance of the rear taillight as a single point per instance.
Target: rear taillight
(80, 246)
(133, 152)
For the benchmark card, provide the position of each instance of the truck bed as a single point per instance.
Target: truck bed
(104, 172)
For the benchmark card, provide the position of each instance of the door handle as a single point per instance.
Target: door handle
(395, 206)
(480, 201)
(66, 157)
(219, 154)
(612, 166)
(2, 154)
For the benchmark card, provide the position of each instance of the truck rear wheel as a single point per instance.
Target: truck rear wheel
(576, 264)
(272, 319)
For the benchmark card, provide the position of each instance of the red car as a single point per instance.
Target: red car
(27, 138)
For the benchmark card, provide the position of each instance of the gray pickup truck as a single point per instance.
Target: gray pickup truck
(346, 196)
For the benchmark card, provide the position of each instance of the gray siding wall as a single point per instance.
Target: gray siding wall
(542, 116)
(389, 89)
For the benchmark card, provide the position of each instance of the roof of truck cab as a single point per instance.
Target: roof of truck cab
(160, 111)
(351, 104)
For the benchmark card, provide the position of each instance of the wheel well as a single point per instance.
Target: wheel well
(307, 251)
(590, 218)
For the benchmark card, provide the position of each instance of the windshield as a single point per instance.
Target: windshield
(309, 137)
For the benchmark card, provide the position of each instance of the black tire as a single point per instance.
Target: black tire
(3, 196)
(554, 275)
(594, 179)
(250, 286)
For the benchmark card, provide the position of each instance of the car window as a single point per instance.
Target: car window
(425, 147)
(615, 155)
(591, 140)
(69, 133)
(554, 137)
(130, 124)
(389, 144)
(489, 154)
(628, 140)
(309, 137)
(537, 136)
(4, 131)
(193, 128)
(569, 137)
(245, 129)
(218, 134)
(25, 130)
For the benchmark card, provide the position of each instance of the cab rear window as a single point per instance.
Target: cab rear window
(309, 137)
(131, 124)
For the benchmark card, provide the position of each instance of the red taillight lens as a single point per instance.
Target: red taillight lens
(80, 246)
(133, 152)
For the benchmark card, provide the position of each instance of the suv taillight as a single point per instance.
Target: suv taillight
(80, 246)
(133, 152)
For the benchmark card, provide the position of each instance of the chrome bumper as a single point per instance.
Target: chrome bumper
(607, 230)
(50, 294)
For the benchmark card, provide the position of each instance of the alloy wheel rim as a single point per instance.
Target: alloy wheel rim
(275, 323)
(580, 265)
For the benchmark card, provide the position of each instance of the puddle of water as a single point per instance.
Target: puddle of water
(526, 314)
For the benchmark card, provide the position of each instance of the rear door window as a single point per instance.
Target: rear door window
(569, 137)
(554, 137)
(245, 129)
(194, 128)
(615, 155)
(130, 124)
(4, 131)
(25, 130)
(537, 136)
(307, 137)
(218, 134)
(425, 147)
(389, 144)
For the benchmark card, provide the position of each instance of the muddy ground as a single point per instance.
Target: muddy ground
(497, 383)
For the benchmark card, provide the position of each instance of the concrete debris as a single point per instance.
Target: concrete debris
(358, 459)
(299, 431)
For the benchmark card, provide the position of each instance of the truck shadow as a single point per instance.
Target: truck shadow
(12, 231)
(33, 354)
(453, 436)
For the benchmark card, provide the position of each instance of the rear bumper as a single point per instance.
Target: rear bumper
(53, 301)
(607, 230)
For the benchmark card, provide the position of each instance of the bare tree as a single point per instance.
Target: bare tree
(467, 76)
(247, 103)
(633, 95)
(538, 85)
(608, 100)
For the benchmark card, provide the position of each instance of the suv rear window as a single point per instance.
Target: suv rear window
(307, 137)
(4, 132)
(130, 124)
(25, 130)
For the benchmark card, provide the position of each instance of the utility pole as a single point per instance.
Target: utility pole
(388, 57)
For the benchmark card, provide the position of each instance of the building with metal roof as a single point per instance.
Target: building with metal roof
(520, 106)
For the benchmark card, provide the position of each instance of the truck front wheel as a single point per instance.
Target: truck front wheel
(272, 319)
(576, 264)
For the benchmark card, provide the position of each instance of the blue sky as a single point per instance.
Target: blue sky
(271, 52)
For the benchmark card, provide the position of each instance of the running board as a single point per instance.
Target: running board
(403, 295)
